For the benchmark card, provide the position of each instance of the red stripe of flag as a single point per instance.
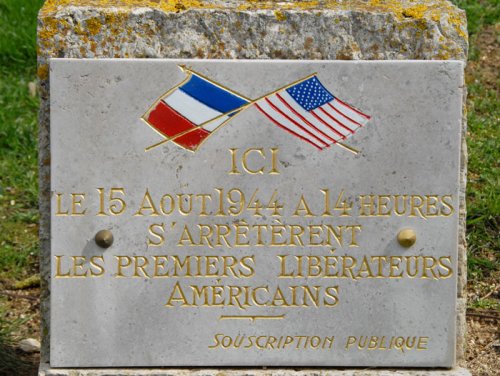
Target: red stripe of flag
(328, 125)
(285, 128)
(303, 118)
(170, 123)
(344, 115)
(294, 122)
(352, 108)
(335, 120)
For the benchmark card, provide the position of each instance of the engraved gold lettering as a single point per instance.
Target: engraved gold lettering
(277, 237)
(397, 209)
(163, 203)
(76, 204)
(354, 229)
(206, 233)
(177, 295)
(416, 204)
(78, 266)
(59, 273)
(274, 162)
(203, 198)
(236, 198)
(96, 266)
(185, 199)
(367, 205)
(422, 343)
(160, 264)
(430, 267)
(241, 234)
(186, 237)
(179, 267)
(116, 204)
(222, 234)
(156, 230)
(244, 161)
(383, 203)
(122, 263)
(59, 211)
(394, 268)
(234, 169)
(326, 211)
(248, 265)
(147, 205)
(445, 263)
(431, 209)
(220, 211)
(447, 202)
(303, 208)
(331, 297)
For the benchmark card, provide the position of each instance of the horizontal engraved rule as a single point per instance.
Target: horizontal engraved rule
(235, 213)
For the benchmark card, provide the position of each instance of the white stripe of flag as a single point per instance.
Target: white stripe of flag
(194, 110)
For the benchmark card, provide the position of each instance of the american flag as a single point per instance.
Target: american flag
(309, 111)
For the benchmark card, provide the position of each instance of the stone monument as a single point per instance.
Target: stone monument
(219, 189)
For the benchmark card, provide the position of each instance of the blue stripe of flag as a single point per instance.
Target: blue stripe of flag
(212, 95)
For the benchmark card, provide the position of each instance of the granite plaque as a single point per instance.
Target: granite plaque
(254, 213)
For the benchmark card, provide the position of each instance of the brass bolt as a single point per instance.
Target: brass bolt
(407, 237)
(104, 238)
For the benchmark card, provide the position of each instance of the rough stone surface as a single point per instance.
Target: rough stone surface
(45, 370)
(375, 29)
(461, 329)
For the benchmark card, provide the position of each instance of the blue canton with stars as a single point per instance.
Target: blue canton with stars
(310, 94)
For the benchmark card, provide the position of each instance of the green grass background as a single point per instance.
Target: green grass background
(18, 150)
(18, 139)
(18, 160)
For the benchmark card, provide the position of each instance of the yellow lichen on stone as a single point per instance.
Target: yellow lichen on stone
(53, 6)
(280, 16)
(78, 29)
(417, 11)
(400, 9)
(94, 25)
(458, 23)
(43, 71)
(302, 5)
(111, 21)
(116, 22)
(48, 29)
(391, 6)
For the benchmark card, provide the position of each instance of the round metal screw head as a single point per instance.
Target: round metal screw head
(407, 237)
(104, 238)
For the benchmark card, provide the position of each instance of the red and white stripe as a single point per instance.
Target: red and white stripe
(326, 125)
(178, 113)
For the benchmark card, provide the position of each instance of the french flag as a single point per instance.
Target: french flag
(190, 112)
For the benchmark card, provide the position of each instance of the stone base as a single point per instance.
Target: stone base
(45, 370)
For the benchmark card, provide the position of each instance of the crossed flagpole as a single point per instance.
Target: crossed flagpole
(234, 112)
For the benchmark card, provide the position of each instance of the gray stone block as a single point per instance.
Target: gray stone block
(358, 30)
